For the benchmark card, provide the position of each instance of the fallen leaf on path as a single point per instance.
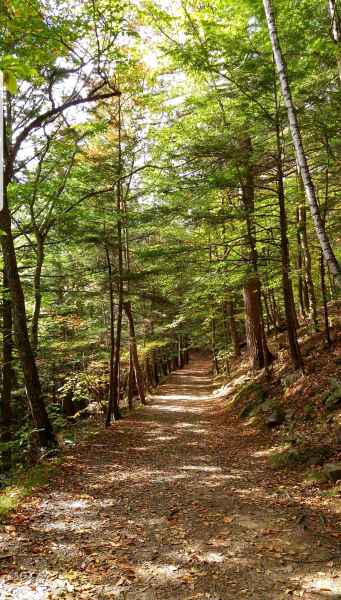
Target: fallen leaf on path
(228, 519)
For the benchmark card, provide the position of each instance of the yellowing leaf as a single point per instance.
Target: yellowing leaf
(10, 82)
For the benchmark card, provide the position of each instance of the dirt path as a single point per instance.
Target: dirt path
(171, 503)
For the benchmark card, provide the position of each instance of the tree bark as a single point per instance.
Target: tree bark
(131, 381)
(288, 296)
(7, 374)
(213, 344)
(259, 353)
(114, 398)
(299, 148)
(299, 263)
(132, 341)
(253, 322)
(307, 266)
(336, 31)
(111, 393)
(289, 306)
(39, 414)
(37, 293)
(325, 301)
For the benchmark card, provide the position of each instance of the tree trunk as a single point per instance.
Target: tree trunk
(259, 354)
(7, 375)
(133, 345)
(114, 397)
(289, 305)
(111, 393)
(131, 381)
(253, 322)
(40, 417)
(299, 149)
(37, 293)
(155, 368)
(299, 263)
(336, 31)
(307, 266)
(213, 344)
(325, 301)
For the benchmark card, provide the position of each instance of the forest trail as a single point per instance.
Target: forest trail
(170, 502)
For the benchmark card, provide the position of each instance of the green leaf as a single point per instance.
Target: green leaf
(10, 82)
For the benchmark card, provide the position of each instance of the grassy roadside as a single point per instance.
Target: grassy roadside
(23, 485)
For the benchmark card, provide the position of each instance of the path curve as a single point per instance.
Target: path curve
(169, 503)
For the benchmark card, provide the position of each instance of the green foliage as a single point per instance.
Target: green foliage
(178, 165)
(332, 398)
(305, 455)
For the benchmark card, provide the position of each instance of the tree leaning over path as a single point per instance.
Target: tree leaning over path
(301, 157)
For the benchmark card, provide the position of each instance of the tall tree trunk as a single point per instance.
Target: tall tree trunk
(7, 374)
(269, 322)
(111, 393)
(289, 306)
(299, 148)
(180, 361)
(226, 339)
(36, 403)
(336, 31)
(300, 281)
(131, 381)
(323, 270)
(37, 293)
(288, 296)
(132, 341)
(307, 266)
(325, 301)
(259, 354)
(114, 398)
(213, 344)
(41, 421)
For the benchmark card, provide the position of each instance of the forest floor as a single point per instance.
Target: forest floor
(173, 502)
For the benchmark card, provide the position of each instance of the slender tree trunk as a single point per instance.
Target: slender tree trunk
(299, 263)
(289, 306)
(7, 374)
(336, 31)
(114, 398)
(113, 408)
(155, 368)
(131, 381)
(40, 417)
(37, 293)
(299, 148)
(137, 368)
(325, 301)
(323, 270)
(307, 266)
(180, 362)
(226, 339)
(111, 394)
(267, 312)
(213, 344)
